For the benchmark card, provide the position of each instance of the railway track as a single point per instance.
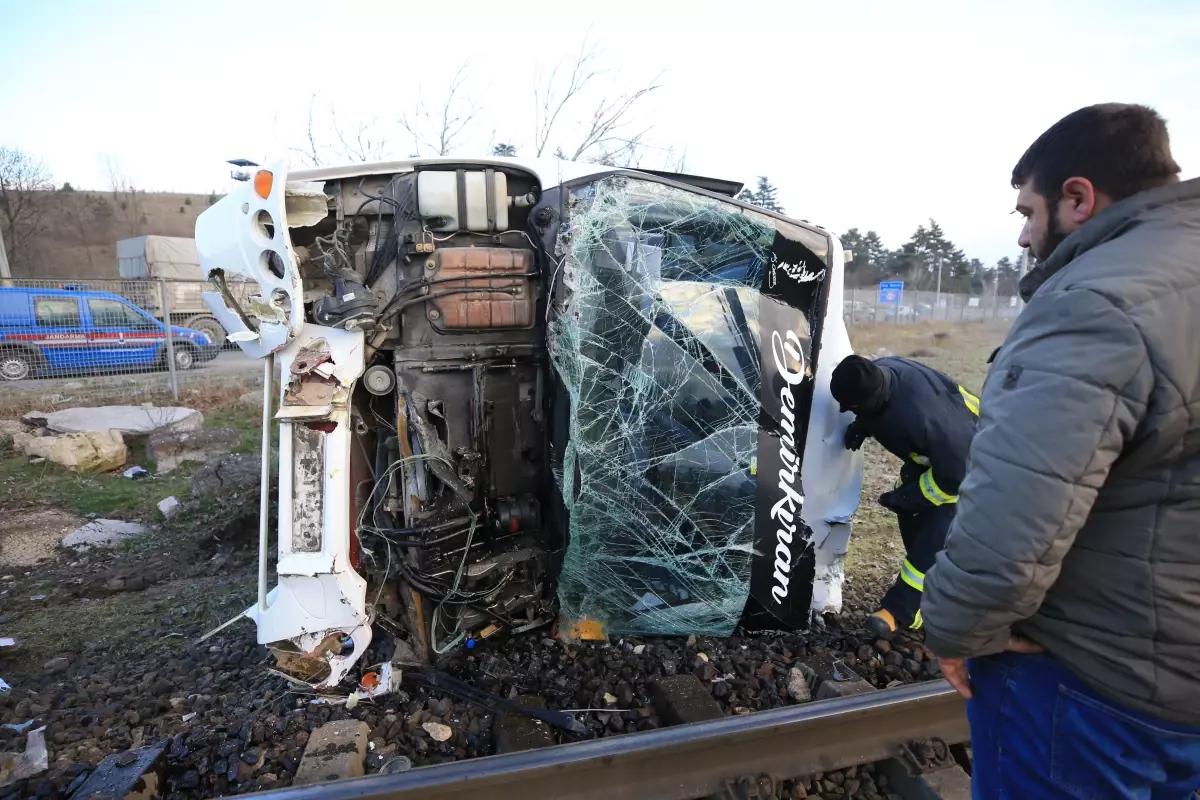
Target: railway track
(742, 757)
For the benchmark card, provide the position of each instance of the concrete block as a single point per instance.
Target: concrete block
(831, 689)
(102, 533)
(90, 451)
(135, 423)
(335, 751)
(682, 699)
(171, 448)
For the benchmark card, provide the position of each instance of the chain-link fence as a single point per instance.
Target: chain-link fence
(866, 306)
(132, 340)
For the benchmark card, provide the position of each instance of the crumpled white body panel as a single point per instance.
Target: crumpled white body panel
(232, 236)
(318, 591)
(832, 475)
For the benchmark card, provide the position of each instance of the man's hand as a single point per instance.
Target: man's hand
(856, 434)
(955, 669)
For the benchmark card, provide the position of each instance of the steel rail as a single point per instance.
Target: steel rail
(683, 762)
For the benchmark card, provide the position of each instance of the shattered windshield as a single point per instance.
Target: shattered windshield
(656, 337)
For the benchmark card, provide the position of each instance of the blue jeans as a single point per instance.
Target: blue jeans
(1038, 732)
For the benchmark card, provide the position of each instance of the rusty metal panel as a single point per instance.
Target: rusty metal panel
(308, 500)
(501, 275)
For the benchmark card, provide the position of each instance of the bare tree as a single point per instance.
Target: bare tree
(311, 152)
(604, 138)
(126, 195)
(364, 143)
(571, 103)
(24, 188)
(440, 129)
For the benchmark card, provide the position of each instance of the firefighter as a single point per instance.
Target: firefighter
(926, 420)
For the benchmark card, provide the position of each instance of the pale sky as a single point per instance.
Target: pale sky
(864, 114)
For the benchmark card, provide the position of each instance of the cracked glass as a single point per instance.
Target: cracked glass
(655, 337)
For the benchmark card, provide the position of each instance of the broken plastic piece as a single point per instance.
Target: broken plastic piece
(588, 630)
(18, 766)
(136, 473)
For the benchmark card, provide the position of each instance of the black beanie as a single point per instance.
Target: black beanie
(856, 382)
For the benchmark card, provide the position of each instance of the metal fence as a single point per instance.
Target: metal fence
(64, 340)
(863, 306)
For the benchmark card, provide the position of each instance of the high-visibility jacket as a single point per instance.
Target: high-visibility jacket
(928, 422)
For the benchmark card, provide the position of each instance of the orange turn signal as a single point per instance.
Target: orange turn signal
(263, 180)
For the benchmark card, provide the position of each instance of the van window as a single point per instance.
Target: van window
(57, 312)
(112, 314)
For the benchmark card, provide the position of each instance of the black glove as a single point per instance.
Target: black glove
(856, 434)
(905, 500)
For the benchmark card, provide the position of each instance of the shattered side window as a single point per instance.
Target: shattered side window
(657, 335)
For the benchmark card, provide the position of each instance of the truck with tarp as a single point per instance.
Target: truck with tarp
(170, 262)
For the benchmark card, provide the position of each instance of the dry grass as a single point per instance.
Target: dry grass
(961, 351)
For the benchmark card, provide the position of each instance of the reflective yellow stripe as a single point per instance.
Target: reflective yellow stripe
(933, 492)
(918, 623)
(912, 576)
(920, 459)
(971, 400)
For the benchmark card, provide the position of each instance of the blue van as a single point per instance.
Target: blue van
(47, 331)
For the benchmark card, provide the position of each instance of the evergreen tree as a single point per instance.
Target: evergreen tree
(504, 150)
(765, 196)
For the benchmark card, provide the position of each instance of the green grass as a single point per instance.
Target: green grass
(111, 494)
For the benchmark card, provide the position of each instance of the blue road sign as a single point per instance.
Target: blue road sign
(890, 292)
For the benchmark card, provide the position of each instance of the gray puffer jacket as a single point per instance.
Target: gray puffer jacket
(1078, 523)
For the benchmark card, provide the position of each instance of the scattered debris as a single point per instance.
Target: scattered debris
(136, 473)
(91, 451)
(336, 750)
(453, 686)
(799, 686)
(102, 533)
(437, 731)
(132, 774)
(4, 687)
(35, 759)
(135, 423)
(168, 505)
(171, 448)
(396, 765)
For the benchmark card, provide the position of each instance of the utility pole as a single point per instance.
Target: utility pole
(937, 303)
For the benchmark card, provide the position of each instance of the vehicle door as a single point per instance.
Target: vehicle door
(58, 331)
(120, 335)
